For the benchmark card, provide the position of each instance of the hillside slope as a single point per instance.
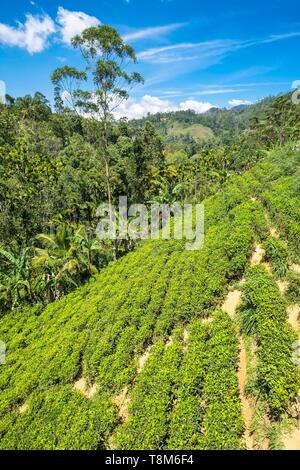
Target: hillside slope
(221, 122)
(145, 357)
(197, 131)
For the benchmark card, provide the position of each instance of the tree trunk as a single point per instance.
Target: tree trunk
(107, 175)
(14, 302)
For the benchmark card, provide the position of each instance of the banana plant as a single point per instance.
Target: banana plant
(15, 283)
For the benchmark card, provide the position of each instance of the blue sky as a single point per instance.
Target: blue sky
(193, 54)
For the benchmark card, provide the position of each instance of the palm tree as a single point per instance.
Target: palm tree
(66, 258)
(58, 259)
(15, 283)
(88, 247)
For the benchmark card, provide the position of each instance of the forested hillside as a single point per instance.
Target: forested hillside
(242, 127)
(168, 348)
(52, 179)
(224, 123)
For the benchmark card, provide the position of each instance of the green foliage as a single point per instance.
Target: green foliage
(280, 123)
(224, 123)
(223, 422)
(187, 413)
(239, 138)
(293, 290)
(277, 375)
(51, 176)
(59, 419)
(196, 131)
(277, 254)
(283, 203)
(101, 328)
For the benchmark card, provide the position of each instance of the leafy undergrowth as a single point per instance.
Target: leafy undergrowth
(186, 396)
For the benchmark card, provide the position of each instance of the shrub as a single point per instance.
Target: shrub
(223, 421)
(278, 377)
(277, 254)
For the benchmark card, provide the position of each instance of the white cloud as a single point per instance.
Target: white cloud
(280, 37)
(153, 32)
(206, 53)
(239, 102)
(73, 22)
(197, 106)
(2, 92)
(202, 51)
(220, 91)
(134, 109)
(32, 35)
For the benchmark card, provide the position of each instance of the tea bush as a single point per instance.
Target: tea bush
(277, 375)
(187, 414)
(223, 422)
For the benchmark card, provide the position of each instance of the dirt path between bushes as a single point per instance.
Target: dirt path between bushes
(291, 440)
(230, 305)
(82, 387)
(293, 312)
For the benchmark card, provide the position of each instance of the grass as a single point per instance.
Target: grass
(197, 131)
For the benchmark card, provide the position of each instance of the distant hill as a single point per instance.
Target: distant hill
(197, 131)
(224, 124)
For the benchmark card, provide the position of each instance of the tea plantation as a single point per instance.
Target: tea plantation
(157, 357)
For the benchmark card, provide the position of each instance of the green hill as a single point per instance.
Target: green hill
(197, 131)
(144, 357)
(222, 123)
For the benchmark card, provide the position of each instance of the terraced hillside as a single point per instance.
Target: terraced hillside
(168, 348)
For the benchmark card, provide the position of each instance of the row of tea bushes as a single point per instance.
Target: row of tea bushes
(59, 418)
(99, 332)
(264, 315)
(151, 399)
(186, 416)
(280, 174)
(187, 397)
(223, 423)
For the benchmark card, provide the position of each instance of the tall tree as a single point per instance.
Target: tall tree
(107, 59)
